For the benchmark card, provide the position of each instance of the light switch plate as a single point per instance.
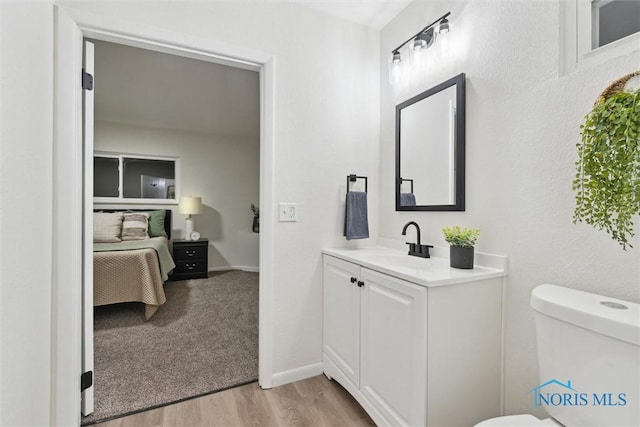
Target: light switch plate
(287, 212)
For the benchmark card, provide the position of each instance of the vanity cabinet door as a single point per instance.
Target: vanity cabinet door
(342, 316)
(394, 348)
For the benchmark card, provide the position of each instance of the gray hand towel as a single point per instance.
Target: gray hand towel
(356, 223)
(407, 199)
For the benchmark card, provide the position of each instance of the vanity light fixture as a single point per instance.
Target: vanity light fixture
(423, 39)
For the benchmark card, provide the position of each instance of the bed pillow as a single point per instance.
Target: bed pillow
(107, 227)
(135, 226)
(156, 223)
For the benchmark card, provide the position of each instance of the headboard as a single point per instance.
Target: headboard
(167, 216)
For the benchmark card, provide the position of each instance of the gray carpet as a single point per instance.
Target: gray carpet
(203, 339)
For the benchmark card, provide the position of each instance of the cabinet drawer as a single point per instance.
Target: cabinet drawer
(191, 266)
(188, 252)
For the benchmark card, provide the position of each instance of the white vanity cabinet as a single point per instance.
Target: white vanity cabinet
(393, 343)
(375, 334)
(341, 335)
(412, 354)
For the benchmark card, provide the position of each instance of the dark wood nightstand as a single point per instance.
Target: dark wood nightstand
(191, 258)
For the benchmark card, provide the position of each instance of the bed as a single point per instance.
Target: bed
(133, 271)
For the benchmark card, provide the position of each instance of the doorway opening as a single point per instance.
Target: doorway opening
(72, 26)
(182, 127)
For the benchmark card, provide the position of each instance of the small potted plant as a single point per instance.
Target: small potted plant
(462, 240)
(256, 218)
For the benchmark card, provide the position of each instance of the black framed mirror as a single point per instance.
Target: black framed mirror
(430, 148)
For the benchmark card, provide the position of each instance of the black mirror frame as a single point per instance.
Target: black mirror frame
(459, 82)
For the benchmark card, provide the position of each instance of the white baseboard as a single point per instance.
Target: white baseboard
(236, 267)
(297, 374)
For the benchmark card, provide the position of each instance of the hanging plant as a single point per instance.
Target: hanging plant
(607, 181)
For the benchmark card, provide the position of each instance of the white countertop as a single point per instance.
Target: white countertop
(427, 272)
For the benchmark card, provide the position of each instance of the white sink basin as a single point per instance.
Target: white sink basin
(399, 260)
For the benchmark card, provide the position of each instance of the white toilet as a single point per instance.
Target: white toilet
(589, 360)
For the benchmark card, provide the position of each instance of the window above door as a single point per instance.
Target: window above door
(613, 20)
(133, 178)
(595, 31)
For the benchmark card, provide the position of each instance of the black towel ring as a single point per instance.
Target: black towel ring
(353, 177)
(407, 180)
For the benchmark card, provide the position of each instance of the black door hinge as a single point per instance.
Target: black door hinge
(87, 80)
(86, 380)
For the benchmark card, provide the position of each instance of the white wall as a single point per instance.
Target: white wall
(26, 61)
(521, 130)
(223, 170)
(326, 126)
(522, 126)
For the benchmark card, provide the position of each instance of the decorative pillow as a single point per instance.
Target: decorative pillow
(135, 225)
(107, 227)
(156, 223)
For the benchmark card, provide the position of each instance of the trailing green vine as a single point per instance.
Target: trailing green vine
(607, 181)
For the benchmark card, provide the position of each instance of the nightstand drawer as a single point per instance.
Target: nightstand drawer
(189, 252)
(191, 258)
(191, 266)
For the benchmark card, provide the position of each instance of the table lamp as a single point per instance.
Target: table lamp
(190, 205)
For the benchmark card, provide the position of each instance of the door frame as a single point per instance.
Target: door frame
(71, 27)
(88, 119)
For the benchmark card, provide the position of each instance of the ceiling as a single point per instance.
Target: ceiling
(152, 89)
(372, 13)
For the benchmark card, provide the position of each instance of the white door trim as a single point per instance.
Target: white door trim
(87, 405)
(71, 26)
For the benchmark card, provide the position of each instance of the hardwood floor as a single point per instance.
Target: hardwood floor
(312, 402)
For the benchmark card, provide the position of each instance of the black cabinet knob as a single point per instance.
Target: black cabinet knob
(360, 284)
(353, 280)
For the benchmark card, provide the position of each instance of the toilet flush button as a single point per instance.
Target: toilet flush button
(615, 305)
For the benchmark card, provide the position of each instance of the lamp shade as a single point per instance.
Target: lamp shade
(190, 205)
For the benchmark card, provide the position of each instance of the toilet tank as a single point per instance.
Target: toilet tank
(588, 357)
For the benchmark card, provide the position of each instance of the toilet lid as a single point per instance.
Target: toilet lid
(524, 420)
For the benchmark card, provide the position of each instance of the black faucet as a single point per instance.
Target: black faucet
(416, 249)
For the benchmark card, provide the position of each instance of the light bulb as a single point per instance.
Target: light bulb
(443, 28)
(418, 43)
(424, 40)
(395, 62)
